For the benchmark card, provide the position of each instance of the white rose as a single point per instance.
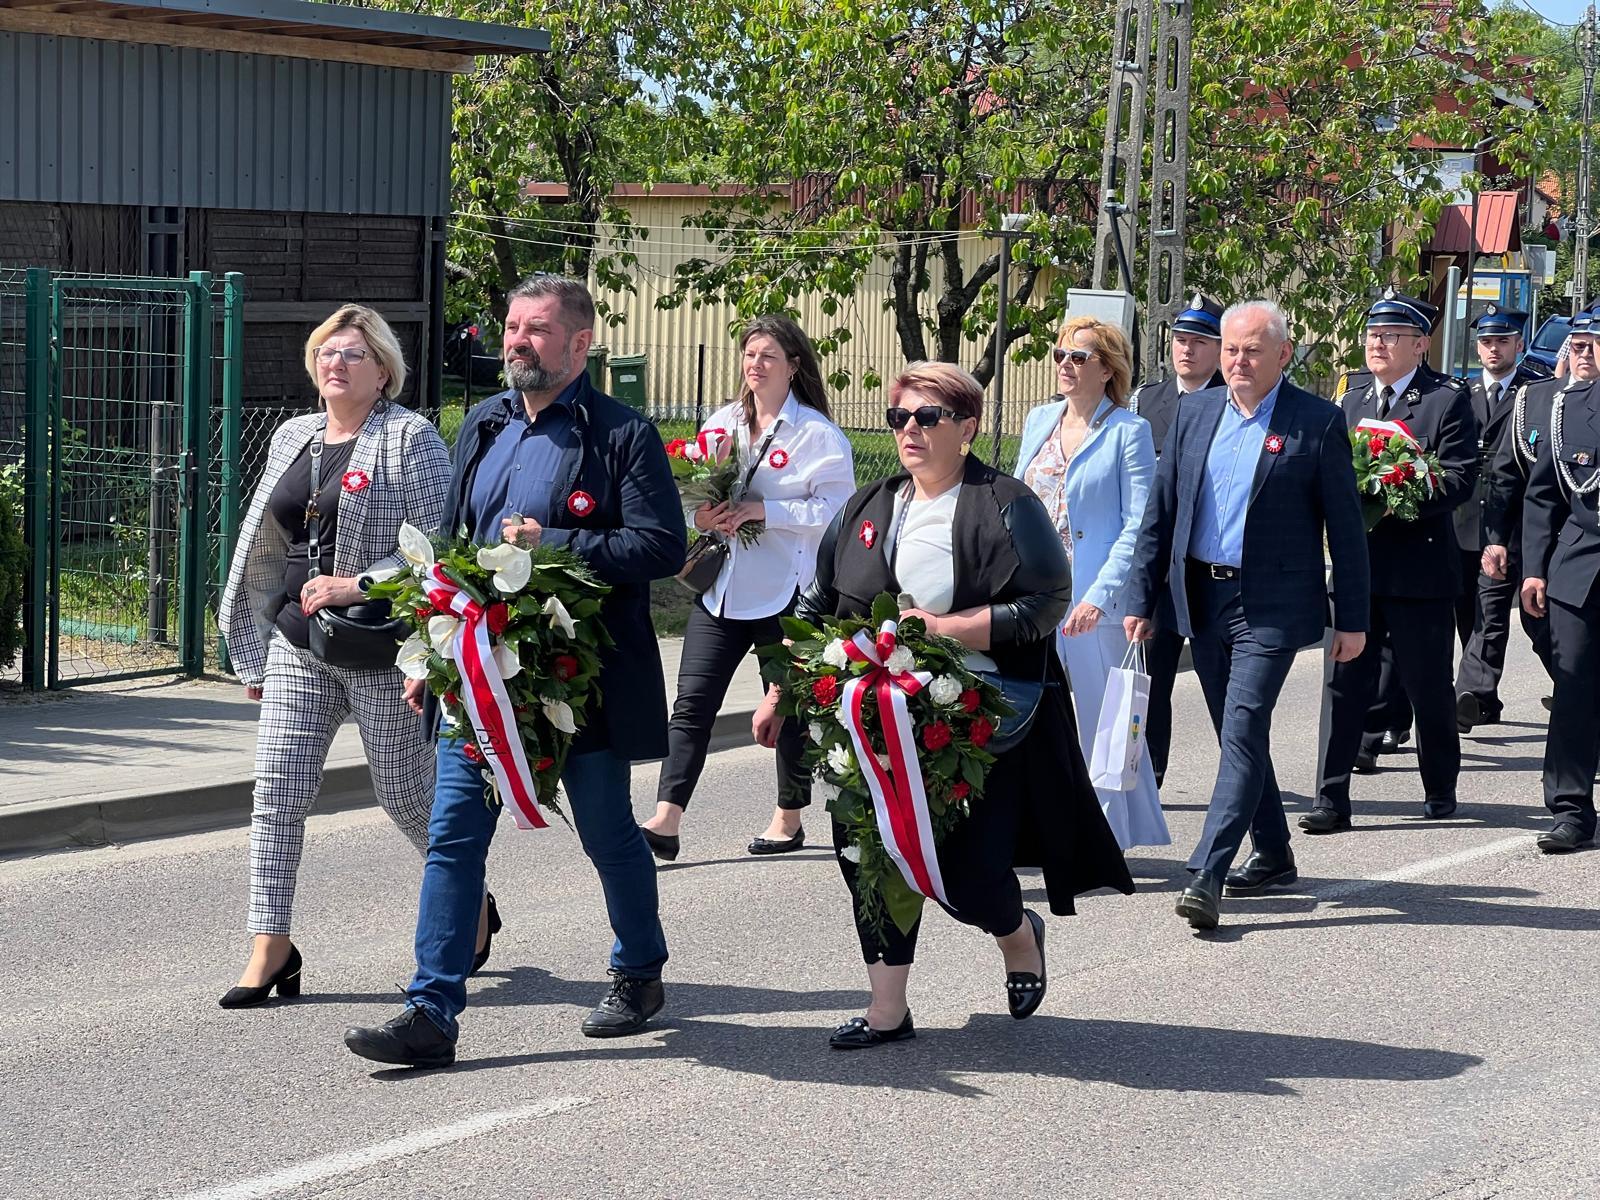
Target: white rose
(824, 791)
(413, 657)
(901, 661)
(512, 567)
(851, 854)
(945, 690)
(839, 760)
(442, 631)
(558, 614)
(559, 714)
(816, 731)
(835, 656)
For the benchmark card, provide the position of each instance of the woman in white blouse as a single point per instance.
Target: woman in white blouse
(803, 472)
(1091, 462)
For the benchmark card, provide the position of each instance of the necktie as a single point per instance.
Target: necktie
(1494, 397)
(1385, 399)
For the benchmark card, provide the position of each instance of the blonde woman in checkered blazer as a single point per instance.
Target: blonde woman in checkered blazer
(380, 465)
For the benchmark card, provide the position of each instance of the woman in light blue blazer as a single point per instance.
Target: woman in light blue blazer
(1091, 462)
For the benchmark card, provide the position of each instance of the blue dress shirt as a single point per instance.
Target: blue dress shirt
(522, 467)
(1218, 535)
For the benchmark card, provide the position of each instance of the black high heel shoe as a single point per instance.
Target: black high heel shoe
(488, 941)
(662, 845)
(286, 979)
(1024, 989)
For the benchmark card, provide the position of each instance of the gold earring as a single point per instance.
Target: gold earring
(965, 447)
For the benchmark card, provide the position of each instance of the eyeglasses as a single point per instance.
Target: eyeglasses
(1386, 339)
(351, 355)
(927, 416)
(1078, 357)
(1581, 345)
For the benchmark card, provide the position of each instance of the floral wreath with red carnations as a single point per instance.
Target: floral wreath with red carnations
(509, 640)
(706, 470)
(1394, 474)
(888, 689)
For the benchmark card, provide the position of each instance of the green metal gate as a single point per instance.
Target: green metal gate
(124, 550)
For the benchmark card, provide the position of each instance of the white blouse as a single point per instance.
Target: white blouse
(805, 475)
(921, 547)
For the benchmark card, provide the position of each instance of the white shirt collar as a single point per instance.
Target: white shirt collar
(1498, 382)
(1400, 385)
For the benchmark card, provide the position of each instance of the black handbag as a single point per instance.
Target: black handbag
(1023, 696)
(710, 551)
(355, 636)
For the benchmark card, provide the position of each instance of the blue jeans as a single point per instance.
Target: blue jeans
(459, 834)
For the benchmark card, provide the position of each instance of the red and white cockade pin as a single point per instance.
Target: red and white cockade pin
(778, 459)
(868, 533)
(355, 481)
(580, 504)
(1275, 443)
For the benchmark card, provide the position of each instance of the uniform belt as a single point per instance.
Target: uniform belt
(1217, 571)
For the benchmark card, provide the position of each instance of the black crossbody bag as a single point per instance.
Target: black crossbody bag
(710, 551)
(355, 636)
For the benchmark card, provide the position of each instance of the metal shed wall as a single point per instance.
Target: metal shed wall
(99, 122)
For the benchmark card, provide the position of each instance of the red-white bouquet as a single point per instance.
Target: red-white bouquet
(1394, 474)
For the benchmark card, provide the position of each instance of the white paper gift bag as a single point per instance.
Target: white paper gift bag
(1119, 735)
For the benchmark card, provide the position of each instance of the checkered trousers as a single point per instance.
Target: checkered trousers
(303, 703)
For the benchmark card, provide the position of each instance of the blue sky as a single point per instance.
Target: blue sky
(1570, 11)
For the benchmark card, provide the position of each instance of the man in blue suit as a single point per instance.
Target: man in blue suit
(1255, 476)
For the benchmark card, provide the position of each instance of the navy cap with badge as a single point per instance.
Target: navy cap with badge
(1495, 321)
(1202, 317)
(1585, 324)
(1395, 309)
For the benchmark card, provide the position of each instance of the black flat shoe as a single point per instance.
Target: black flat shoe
(1435, 810)
(1201, 902)
(1025, 990)
(663, 846)
(856, 1034)
(286, 979)
(626, 1007)
(1393, 739)
(1323, 820)
(1563, 839)
(409, 1040)
(1259, 872)
(1365, 764)
(488, 941)
(763, 845)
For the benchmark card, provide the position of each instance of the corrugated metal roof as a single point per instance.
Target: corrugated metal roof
(100, 122)
(1496, 228)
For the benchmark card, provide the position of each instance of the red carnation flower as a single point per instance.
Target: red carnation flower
(498, 616)
(826, 690)
(450, 698)
(980, 732)
(544, 764)
(970, 700)
(565, 667)
(424, 613)
(1408, 470)
(960, 791)
(1377, 445)
(936, 736)
(675, 447)
(1393, 478)
(473, 753)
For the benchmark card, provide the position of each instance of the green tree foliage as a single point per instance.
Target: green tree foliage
(13, 571)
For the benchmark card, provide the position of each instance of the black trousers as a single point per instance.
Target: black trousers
(1484, 660)
(1467, 597)
(712, 648)
(1420, 635)
(1161, 660)
(975, 861)
(1391, 708)
(1572, 746)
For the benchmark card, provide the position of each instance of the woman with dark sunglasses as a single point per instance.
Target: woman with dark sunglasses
(1091, 462)
(971, 551)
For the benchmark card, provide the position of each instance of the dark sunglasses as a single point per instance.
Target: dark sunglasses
(927, 416)
(1078, 357)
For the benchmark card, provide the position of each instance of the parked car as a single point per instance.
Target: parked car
(460, 341)
(1547, 342)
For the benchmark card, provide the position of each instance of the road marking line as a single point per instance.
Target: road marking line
(1416, 870)
(318, 1169)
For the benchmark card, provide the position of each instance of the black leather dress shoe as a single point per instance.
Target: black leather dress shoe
(1200, 903)
(409, 1040)
(856, 1034)
(626, 1007)
(1436, 810)
(1564, 838)
(1549, 703)
(663, 846)
(763, 845)
(1024, 989)
(1323, 820)
(1393, 739)
(1365, 764)
(1469, 712)
(1261, 871)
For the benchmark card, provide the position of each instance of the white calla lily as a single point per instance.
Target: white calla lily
(558, 614)
(559, 714)
(512, 567)
(506, 659)
(416, 546)
(851, 854)
(441, 630)
(413, 657)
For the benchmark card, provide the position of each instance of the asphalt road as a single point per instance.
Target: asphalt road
(1415, 1020)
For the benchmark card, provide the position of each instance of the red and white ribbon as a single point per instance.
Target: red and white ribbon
(487, 701)
(898, 797)
(1390, 429)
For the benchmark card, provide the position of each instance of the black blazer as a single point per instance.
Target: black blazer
(1302, 493)
(1561, 532)
(1506, 475)
(635, 534)
(1420, 559)
(1158, 402)
(1009, 556)
(1492, 423)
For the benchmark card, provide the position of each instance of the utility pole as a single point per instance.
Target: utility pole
(1122, 156)
(1169, 181)
(1010, 231)
(1580, 249)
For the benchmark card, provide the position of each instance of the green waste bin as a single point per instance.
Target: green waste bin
(597, 367)
(627, 379)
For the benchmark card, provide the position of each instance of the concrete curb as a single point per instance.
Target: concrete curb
(46, 825)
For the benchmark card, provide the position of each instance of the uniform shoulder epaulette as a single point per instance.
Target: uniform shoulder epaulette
(1351, 381)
